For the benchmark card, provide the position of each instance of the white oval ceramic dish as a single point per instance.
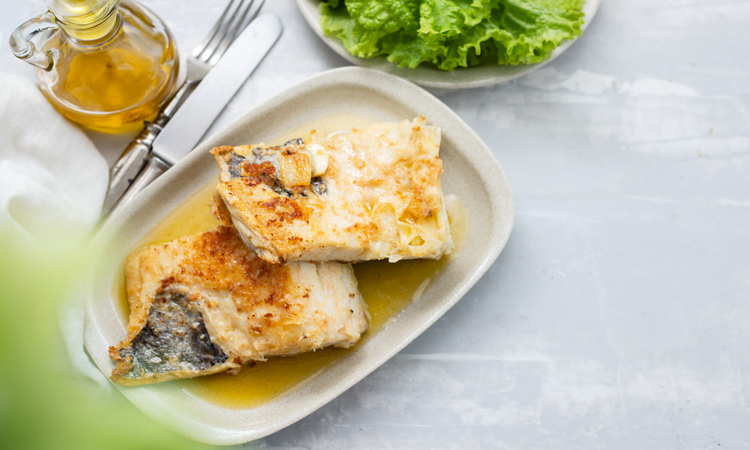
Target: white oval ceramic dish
(470, 171)
(461, 78)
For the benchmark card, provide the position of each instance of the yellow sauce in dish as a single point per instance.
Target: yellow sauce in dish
(387, 288)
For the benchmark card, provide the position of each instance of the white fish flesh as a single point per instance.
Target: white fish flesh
(203, 304)
(366, 194)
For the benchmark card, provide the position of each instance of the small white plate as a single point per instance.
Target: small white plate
(423, 75)
(470, 172)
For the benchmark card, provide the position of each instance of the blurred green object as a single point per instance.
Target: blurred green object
(453, 33)
(43, 405)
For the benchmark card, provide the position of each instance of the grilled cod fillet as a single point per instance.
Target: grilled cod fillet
(367, 194)
(204, 304)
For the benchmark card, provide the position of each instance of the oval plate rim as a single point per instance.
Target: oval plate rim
(215, 424)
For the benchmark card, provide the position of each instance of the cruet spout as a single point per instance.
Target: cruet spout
(37, 29)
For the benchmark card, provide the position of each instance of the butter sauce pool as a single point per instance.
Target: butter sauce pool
(387, 288)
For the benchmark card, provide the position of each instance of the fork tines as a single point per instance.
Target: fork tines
(229, 25)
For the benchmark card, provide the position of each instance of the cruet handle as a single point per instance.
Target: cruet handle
(21, 41)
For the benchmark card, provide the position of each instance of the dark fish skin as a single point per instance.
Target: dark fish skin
(173, 339)
(259, 155)
(263, 154)
(235, 165)
(319, 186)
(205, 304)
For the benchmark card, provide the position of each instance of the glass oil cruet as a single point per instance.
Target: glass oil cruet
(106, 65)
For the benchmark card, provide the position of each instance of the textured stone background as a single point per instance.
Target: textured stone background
(618, 315)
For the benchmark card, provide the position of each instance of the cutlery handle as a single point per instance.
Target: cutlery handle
(154, 168)
(127, 168)
(136, 156)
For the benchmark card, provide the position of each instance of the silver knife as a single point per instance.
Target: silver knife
(196, 114)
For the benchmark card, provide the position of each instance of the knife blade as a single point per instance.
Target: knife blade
(196, 114)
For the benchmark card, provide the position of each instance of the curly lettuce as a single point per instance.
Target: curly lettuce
(453, 33)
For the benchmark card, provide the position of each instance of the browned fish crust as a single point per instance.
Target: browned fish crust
(205, 303)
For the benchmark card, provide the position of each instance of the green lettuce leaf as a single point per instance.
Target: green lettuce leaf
(530, 29)
(453, 33)
(449, 18)
(357, 40)
(388, 15)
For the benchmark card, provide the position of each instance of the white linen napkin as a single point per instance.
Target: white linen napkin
(52, 185)
(52, 178)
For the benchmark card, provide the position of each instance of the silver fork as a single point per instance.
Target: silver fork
(203, 58)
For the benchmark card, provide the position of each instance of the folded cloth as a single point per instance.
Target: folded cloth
(52, 185)
(52, 178)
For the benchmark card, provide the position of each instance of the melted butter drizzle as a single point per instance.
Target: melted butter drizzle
(387, 288)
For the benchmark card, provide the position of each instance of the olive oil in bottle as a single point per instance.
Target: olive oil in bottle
(105, 65)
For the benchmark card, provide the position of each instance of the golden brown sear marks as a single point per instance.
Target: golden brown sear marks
(205, 303)
(367, 194)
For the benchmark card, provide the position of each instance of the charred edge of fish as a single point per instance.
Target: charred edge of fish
(235, 165)
(266, 154)
(319, 186)
(263, 154)
(281, 190)
(174, 338)
(259, 153)
(297, 141)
